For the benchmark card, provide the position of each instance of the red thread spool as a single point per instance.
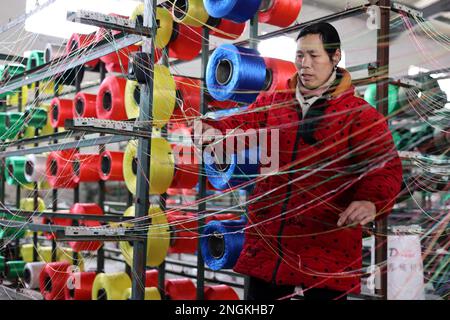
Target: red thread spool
(151, 278)
(174, 192)
(279, 72)
(189, 192)
(186, 167)
(222, 216)
(188, 101)
(85, 167)
(56, 221)
(180, 289)
(79, 286)
(111, 166)
(281, 13)
(78, 42)
(228, 29)
(53, 279)
(183, 225)
(86, 208)
(115, 61)
(60, 110)
(220, 292)
(84, 105)
(110, 102)
(186, 42)
(59, 169)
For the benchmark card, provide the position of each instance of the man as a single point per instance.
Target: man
(339, 170)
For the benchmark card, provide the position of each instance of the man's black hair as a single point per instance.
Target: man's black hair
(328, 34)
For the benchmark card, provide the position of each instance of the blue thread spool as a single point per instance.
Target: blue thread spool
(235, 73)
(232, 173)
(223, 243)
(235, 10)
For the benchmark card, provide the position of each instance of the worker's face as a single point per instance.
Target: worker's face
(313, 63)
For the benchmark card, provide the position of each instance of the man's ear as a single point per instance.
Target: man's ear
(337, 57)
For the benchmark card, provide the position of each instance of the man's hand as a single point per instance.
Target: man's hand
(360, 212)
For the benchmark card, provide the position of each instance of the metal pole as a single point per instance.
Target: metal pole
(202, 177)
(144, 149)
(382, 106)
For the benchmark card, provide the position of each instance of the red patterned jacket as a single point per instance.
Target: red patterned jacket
(292, 236)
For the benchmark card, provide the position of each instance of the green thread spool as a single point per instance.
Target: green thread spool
(15, 269)
(370, 95)
(35, 117)
(15, 170)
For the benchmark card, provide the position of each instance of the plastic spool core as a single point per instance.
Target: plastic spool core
(265, 5)
(76, 167)
(10, 170)
(134, 165)
(224, 72)
(101, 294)
(269, 79)
(55, 112)
(137, 95)
(29, 167)
(79, 107)
(27, 276)
(53, 167)
(107, 101)
(216, 245)
(106, 165)
(222, 167)
(181, 9)
(48, 284)
(47, 54)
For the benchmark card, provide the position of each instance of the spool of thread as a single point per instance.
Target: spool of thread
(164, 97)
(239, 169)
(15, 171)
(35, 117)
(186, 42)
(85, 167)
(370, 95)
(110, 166)
(164, 31)
(36, 59)
(66, 255)
(188, 101)
(86, 208)
(6, 73)
(235, 73)
(151, 278)
(60, 110)
(222, 243)
(161, 166)
(26, 252)
(180, 289)
(278, 73)
(190, 12)
(84, 105)
(11, 124)
(110, 102)
(280, 13)
(53, 52)
(186, 168)
(151, 293)
(14, 269)
(59, 169)
(35, 167)
(158, 238)
(236, 10)
(45, 253)
(79, 286)
(80, 44)
(31, 274)
(220, 292)
(53, 279)
(183, 232)
(110, 286)
(27, 204)
(12, 98)
(227, 29)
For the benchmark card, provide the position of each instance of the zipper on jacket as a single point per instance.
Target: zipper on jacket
(286, 201)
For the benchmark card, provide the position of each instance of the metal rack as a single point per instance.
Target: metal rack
(144, 147)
